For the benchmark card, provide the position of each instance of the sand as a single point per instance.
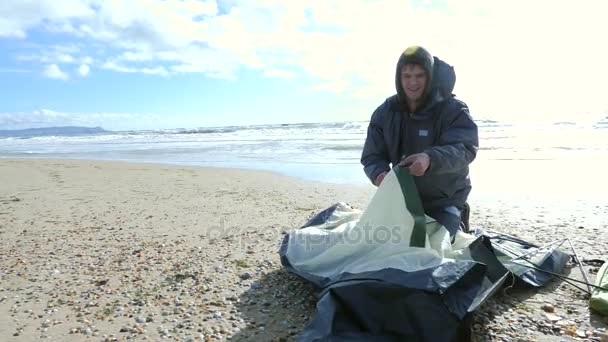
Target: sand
(114, 251)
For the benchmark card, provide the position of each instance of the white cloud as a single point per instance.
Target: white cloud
(18, 16)
(38, 117)
(86, 60)
(65, 58)
(50, 118)
(57, 54)
(278, 73)
(137, 56)
(337, 86)
(149, 24)
(53, 71)
(112, 65)
(513, 57)
(83, 70)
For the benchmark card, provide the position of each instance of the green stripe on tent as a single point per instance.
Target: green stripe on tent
(414, 205)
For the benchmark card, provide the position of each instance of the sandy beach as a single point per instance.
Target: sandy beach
(96, 250)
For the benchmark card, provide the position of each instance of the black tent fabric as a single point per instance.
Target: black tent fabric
(404, 289)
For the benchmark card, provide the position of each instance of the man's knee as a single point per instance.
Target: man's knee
(449, 217)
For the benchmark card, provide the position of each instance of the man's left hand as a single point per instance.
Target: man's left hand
(417, 163)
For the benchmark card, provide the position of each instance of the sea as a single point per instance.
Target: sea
(527, 159)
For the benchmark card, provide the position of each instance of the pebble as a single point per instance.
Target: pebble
(548, 308)
(223, 300)
(603, 336)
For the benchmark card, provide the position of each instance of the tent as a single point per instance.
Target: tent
(390, 273)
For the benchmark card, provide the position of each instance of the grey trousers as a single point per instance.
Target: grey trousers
(449, 217)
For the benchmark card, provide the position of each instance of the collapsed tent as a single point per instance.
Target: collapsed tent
(390, 273)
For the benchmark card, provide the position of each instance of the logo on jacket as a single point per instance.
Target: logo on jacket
(423, 133)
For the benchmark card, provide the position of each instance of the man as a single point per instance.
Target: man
(425, 129)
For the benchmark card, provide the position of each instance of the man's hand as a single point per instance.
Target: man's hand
(417, 163)
(380, 178)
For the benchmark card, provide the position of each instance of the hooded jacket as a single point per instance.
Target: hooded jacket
(442, 128)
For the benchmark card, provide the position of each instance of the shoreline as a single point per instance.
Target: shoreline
(563, 192)
(110, 249)
(535, 179)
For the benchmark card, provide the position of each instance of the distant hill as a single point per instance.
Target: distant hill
(46, 131)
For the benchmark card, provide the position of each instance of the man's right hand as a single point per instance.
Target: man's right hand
(380, 178)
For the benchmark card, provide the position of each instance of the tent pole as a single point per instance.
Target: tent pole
(561, 276)
(578, 261)
(561, 242)
(580, 265)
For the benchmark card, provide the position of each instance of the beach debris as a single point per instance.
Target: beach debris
(10, 199)
(553, 318)
(581, 333)
(245, 276)
(101, 282)
(255, 285)
(548, 308)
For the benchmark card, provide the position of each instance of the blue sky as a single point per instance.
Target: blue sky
(142, 64)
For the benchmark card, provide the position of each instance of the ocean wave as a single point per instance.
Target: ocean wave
(345, 125)
(496, 148)
(569, 148)
(343, 147)
(24, 153)
(497, 138)
(491, 124)
(209, 130)
(361, 125)
(601, 124)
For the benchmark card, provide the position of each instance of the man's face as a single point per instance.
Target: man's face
(413, 81)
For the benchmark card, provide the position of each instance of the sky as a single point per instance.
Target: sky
(149, 64)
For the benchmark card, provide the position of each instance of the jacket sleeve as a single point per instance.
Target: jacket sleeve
(458, 140)
(375, 158)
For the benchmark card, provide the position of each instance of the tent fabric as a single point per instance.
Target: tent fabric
(508, 248)
(599, 297)
(389, 273)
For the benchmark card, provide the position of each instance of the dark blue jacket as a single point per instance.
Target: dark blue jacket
(443, 129)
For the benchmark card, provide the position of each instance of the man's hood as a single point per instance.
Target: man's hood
(441, 76)
(414, 55)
